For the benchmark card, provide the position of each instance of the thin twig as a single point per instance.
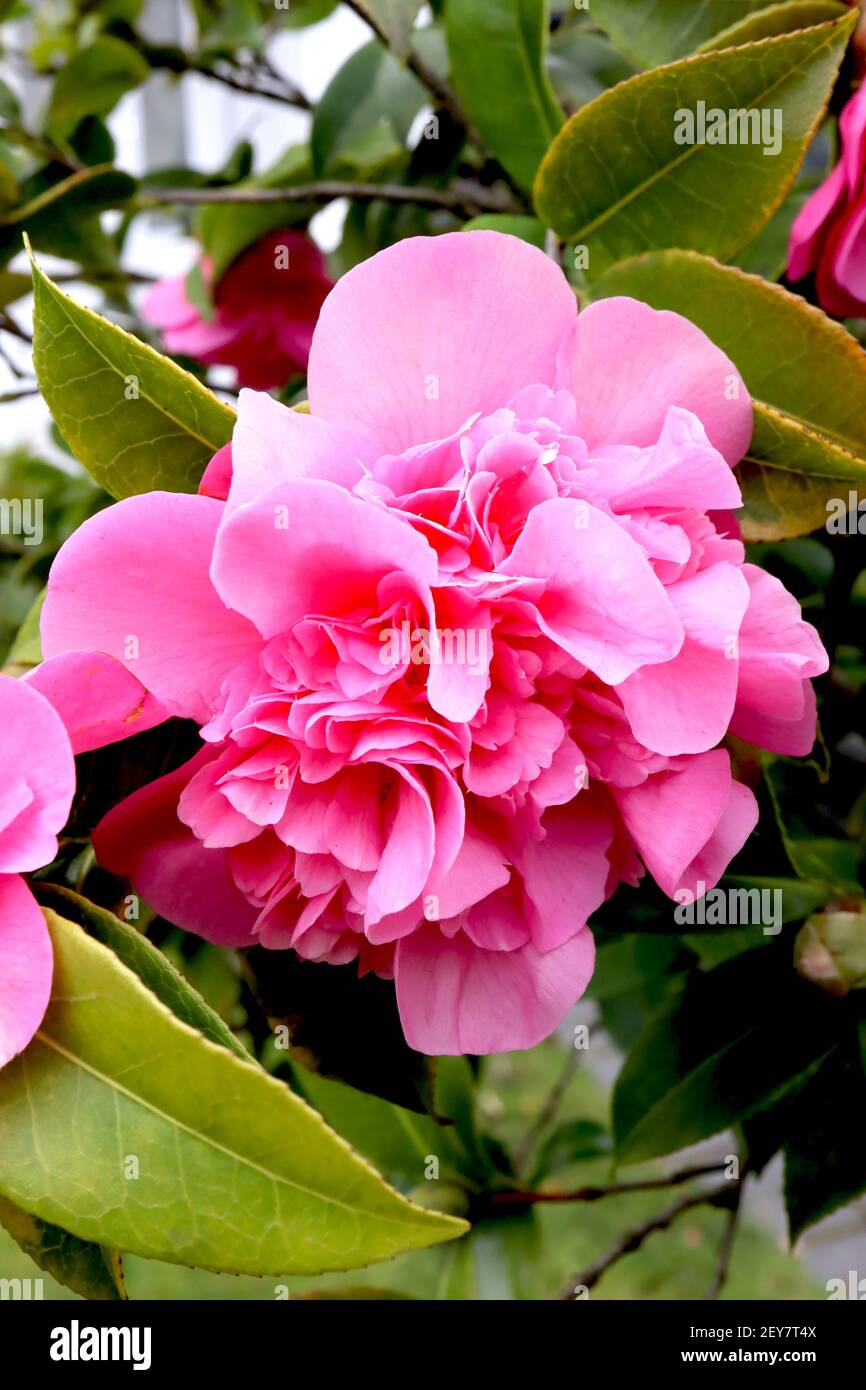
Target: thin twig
(726, 1248)
(513, 1197)
(634, 1238)
(463, 197)
(19, 394)
(8, 325)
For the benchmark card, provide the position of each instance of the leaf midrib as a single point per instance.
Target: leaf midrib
(172, 1120)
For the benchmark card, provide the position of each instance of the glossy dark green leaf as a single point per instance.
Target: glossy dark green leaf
(361, 123)
(825, 1157)
(774, 19)
(621, 178)
(727, 1045)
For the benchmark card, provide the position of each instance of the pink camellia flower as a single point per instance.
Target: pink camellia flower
(38, 782)
(829, 233)
(265, 309)
(462, 643)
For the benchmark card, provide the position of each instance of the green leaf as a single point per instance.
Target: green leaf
(583, 64)
(667, 29)
(775, 19)
(397, 1140)
(726, 1046)
(92, 1271)
(362, 120)
(13, 285)
(616, 181)
(572, 1142)
(825, 1158)
(497, 50)
(26, 649)
(132, 417)
(527, 228)
(154, 970)
(92, 82)
(806, 375)
(395, 19)
(234, 1171)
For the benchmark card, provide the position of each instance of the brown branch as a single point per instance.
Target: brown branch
(513, 1197)
(463, 197)
(634, 1238)
(18, 394)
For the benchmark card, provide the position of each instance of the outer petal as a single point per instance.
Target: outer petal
(565, 874)
(688, 825)
(413, 341)
(143, 840)
(97, 698)
(810, 225)
(778, 650)
(26, 966)
(38, 777)
(601, 601)
(273, 444)
(455, 997)
(140, 570)
(685, 705)
(629, 363)
(310, 547)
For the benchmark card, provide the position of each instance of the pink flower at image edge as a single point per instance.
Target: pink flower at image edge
(265, 309)
(462, 643)
(829, 233)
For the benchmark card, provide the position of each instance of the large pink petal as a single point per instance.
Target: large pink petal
(138, 573)
(809, 230)
(311, 548)
(26, 966)
(143, 840)
(778, 650)
(688, 825)
(629, 364)
(38, 777)
(565, 874)
(273, 444)
(601, 601)
(685, 705)
(413, 341)
(97, 698)
(455, 997)
(681, 470)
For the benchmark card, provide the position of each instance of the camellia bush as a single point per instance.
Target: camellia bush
(493, 641)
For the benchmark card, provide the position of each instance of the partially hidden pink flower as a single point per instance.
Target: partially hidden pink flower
(38, 782)
(463, 643)
(829, 233)
(265, 309)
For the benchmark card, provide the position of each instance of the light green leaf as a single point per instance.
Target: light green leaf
(806, 375)
(26, 649)
(133, 417)
(667, 29)
(92, 82)
(92, 1271)
(775, 19)
(498, 54)
(154, 969)
(234, 1171)
(616, 181)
